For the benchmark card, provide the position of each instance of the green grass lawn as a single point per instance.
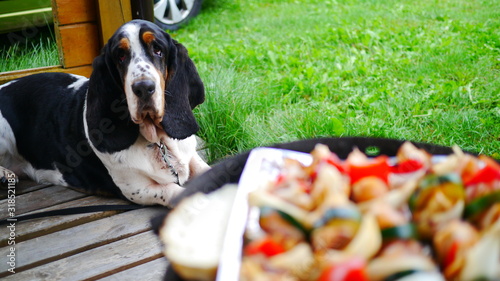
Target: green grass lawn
(283, 70)
(35, 47)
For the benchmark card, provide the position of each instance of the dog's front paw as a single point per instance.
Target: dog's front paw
(7, 177)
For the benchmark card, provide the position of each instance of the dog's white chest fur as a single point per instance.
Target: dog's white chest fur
(144, 159)
(142, 173)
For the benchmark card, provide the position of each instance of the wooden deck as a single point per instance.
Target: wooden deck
(113, 245)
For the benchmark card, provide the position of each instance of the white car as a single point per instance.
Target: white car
(172, 14)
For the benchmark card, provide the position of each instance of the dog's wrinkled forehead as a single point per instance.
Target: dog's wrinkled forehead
(136, 37)
(143, 49)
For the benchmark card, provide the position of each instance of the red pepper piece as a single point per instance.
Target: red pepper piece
(378, 167)
(352, 269)
(407, 166)
(489, 173)
(266, 246)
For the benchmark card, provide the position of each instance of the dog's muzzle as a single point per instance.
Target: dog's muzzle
(148, 111)
(149, 126)
(144, 89)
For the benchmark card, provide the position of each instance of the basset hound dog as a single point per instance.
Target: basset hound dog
(127, 131)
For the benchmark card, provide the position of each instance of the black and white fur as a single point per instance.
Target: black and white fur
(103, 135)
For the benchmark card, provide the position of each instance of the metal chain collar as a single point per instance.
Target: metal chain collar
(165, 157)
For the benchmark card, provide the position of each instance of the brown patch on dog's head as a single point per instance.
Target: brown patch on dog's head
(148, 37)
(124, 44)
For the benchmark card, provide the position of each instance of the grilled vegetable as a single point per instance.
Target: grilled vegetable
(408, 151)
(398, 257)
(298, 261)
(387, 216)
(415, 275)
(384, 267)
(365, 243)
(289, 265)
(266, 246)
(438, 200)
(407, 166)
(342, 213)
(359, 166)
(283, 227)
(489, 173)
(368, 188)
(350, 269)
(400, 232)
(451, 243)
(402, 274)
(396, 198)
(482, 261)
(335, 229)
(479, 205)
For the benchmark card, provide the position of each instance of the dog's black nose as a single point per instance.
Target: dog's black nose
(144, 88)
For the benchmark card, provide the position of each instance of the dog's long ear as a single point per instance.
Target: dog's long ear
(184, 91)
(196, 87)
(105, 72)
(106, 101)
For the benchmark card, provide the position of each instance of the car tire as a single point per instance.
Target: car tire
(172, 19)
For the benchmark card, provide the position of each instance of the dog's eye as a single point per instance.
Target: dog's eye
(157, 51)
(122, 56)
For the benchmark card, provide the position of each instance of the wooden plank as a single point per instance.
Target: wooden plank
(84, 70)
(11, 75)
(23, 187)
(98, 262)
(39, 199)
(113, 14)
(78, 239)
(38, 227)
(78, 44)
(153, 270)
(70, 11)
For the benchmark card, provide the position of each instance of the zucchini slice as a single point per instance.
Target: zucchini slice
(481, 204)
(338, 213)
(400, 232)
